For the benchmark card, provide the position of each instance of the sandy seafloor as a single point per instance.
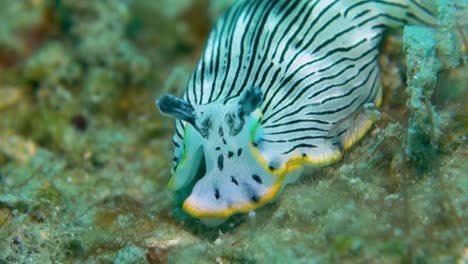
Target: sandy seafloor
(85, 156)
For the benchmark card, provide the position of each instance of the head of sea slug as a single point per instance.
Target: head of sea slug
(223, 137)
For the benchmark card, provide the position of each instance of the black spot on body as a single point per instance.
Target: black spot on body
(229, 120)
(218, 148)
(230, 154)
(254, 198)
(220, 162)
(250, 191)
(233, 180)
(235, 121)
(205, 129)
(257, 178)
(224, 141)
(216, 194)
(239, 152)
(274, 164)
(221, 132)
(304, 155)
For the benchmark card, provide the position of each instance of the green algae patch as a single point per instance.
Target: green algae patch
(19, 21)
(130, 254)
(423, 131)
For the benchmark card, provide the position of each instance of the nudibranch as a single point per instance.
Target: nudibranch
(280, 85)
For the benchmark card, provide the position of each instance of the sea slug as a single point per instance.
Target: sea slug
(280, 84)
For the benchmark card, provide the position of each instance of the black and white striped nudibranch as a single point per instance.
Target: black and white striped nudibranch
(281, 84)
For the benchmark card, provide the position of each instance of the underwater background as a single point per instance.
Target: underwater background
(85, 156)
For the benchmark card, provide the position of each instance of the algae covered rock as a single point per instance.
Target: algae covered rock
(130, 254)
(100, 30)
(52, 65)
(85, 159)
(17, 19)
